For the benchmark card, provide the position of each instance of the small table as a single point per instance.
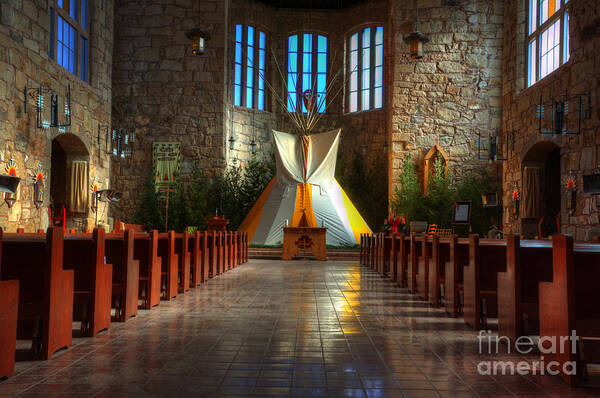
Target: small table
(304, 238)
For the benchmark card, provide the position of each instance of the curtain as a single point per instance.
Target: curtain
(78, 195)
(531, 192)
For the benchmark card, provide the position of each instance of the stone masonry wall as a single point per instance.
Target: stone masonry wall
(24, 61)
(165, 93)
(581, 74)
(453, 92)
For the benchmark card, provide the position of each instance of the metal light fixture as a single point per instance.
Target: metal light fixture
(9, 183)
(231, 141)
(198, 37)
(416, 39)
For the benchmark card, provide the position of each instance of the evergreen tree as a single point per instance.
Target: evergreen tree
(150, 213)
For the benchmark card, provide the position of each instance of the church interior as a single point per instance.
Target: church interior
(343, 198)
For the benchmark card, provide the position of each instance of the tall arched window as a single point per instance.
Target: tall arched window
(365, 68)
(548, 38)
(249, 67)
(307, 70)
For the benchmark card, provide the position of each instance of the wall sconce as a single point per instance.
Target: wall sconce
(253, 146)
(416, 39)
(492, 149)
(39, 183)
(198, 38)
(122, 144)
(9, 183)
(231, 142)
(516, 200)
(38, 94)
(571, 193)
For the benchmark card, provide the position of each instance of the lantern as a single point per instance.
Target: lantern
(416, 41)
(198, 37)
(231, 142)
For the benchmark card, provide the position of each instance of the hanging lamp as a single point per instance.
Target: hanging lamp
(416, 39)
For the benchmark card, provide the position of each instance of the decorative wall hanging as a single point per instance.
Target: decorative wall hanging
(47, 117)
(166, 162)
(553, 117)
(39, 184)
(571, 193)
(492, 149)
(10, 195)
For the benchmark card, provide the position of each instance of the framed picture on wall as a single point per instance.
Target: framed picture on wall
(461, 212)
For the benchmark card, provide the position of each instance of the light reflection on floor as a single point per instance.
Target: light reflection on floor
(272, 328)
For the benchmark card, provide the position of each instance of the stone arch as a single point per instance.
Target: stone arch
(66, 149)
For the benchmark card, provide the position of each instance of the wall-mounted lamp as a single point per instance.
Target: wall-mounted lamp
(198, 38)
(9, 183)
(571, 193)
(516, 200)
(416, 39)
(231, 142)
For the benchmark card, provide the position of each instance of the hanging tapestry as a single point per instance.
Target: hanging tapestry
(78, 198)
(166, 162)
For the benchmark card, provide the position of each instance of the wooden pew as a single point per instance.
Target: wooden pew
(182, 250)
(196, 254)
(169, 265)
(221, 252)
(486, 258)
(362, 249)
(569, 303)
(45, 289)
(528, 262)
(9, 306)
(372, 252)
(416, 243)
(392, 255)
(234, 250)
(454, 275)
(146, 252)
(402, 259)
(246, 247)
(440, 255)
(85, 255)
(126, 274)
(212, 254)
(423, 268)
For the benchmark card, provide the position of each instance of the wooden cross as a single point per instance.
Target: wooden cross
(167, 190)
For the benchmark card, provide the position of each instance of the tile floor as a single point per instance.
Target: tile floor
(272, 328)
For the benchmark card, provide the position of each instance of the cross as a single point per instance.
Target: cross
(167, 190)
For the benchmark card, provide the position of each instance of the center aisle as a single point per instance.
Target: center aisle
(275, 328)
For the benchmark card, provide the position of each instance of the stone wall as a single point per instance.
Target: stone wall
(24, 61)
(578, 154)
(454, 92)
(165, 93)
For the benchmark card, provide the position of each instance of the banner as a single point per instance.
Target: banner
(166, 162)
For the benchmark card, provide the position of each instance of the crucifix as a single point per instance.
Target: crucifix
(166, 190)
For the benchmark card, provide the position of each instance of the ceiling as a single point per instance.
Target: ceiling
(322, 4)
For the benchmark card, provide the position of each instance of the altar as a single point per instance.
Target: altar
(302, 240)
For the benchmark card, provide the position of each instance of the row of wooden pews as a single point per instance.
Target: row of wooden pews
(542, 288)
(48, 281)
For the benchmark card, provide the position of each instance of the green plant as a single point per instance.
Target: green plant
(149, 213)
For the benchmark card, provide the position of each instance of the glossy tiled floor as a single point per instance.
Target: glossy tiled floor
(272, 328)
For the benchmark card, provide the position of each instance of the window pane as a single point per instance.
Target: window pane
(366, 58)
(354, 42)
(365, 100)
(293, 43)
(238, 74)
(292, 101)
(84, 14)
(292, 62)
(366, 79)
(379, 76)
(262, 40)
(354, 101)
(250, 36)
(531, 78)
(249, 97)
(544, 11)
(353, 61)
(378, 97)
(549, 52)
(322, 44)
(379, 36)
(73, 9)
(66, 46)
(321, 82)
(307, 62)
(261, 100)
(322, 63)
(238, 53)
(354, 81)
(566, 49)
(307, 42)
(261, 59)
(378, 55)
(366, 38)
(292, 82)
(237, 100)
(238, 33)
(532, 15)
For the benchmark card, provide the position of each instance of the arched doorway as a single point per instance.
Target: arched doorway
(69, 185)
(541, 190)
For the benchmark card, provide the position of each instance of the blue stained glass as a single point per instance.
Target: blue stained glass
(84, 56)
(366, 39)
(307, 62)
(238, 33)
(250, 36)
(292, 62)
(307, 42)
(306, 81)
(322, 63)
(238, 52)
(59, 55)
(262, 40)
(249, 97)
(73, 9)
(250, 58)
(293, 43)
(322, 44)
(261, 100)
(292, 82)
(378, 76)
(261, 59)
(292, 102)
(84, 14)
(60, 3)
(249, 77)
(238, 74)
(379, 35)
(237, 100)
(322, 103)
